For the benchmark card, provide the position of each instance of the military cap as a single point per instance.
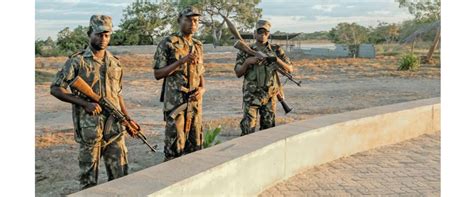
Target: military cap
(189, 11)
(264, 24)
(101, 23)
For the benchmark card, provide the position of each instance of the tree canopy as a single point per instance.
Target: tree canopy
(142, 22)
(244, 14)
(423, 10)
(349, 33)
(72, 41)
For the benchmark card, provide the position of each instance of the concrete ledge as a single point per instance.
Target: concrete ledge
(247, 165)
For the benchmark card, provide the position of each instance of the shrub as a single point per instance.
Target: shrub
(409, 61)
(210, 137)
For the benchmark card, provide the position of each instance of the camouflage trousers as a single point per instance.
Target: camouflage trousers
(90, 152)
(177, 140)
(266, 110)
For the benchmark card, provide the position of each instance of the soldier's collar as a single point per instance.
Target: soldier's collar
(88, 53)
(109, 55)
(180, 34)
(254, 45)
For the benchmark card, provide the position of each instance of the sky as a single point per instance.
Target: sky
(285, 15)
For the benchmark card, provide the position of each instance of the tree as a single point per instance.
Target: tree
(43, 45)
(351, 34)
(143, 21)
(425, 11)
(38, 45)
(118, 38)
(72, 41)
(385, 32)
(47, 48)
(206, 36)
(243, 13)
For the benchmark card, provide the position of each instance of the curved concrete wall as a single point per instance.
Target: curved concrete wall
(247, 165)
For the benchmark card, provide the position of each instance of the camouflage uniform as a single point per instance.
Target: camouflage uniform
(260, 87)
(105, 78)
(170, 50)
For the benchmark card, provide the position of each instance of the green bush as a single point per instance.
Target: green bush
(210, 137)
(409, 61)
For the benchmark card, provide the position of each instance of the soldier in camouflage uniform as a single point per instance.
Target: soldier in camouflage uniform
(261, 83)
(103, 72)
(179, 60)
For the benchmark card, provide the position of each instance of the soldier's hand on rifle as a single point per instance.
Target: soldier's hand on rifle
(252, 60)
(196, 59)
(189, 58)
(198, 94)
(93, 108)
(132, 128)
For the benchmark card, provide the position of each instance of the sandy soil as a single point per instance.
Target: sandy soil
(329, 86)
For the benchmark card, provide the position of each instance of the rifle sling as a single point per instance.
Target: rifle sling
(162, 95)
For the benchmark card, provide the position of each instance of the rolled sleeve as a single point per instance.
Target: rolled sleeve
(240, 59)
(282, 55)
(161, 54)
(65, 75)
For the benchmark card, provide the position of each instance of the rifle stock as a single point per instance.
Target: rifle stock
(80, 85)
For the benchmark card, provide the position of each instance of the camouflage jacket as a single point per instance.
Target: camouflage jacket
(261, 81)
(105, 78)
(169, 50)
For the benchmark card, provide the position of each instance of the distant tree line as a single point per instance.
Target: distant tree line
(146, 22)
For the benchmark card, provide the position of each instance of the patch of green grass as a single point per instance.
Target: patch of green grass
(409, 61)
(210, 137)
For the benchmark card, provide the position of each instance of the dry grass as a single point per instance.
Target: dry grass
(357, 67)
(222, 65)
(53, 62)
(54, 138)
(44, 76)
(231, 125)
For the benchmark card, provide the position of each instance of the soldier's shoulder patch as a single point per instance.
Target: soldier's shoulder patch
(76, 54)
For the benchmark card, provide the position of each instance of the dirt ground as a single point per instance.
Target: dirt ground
(329, 86)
